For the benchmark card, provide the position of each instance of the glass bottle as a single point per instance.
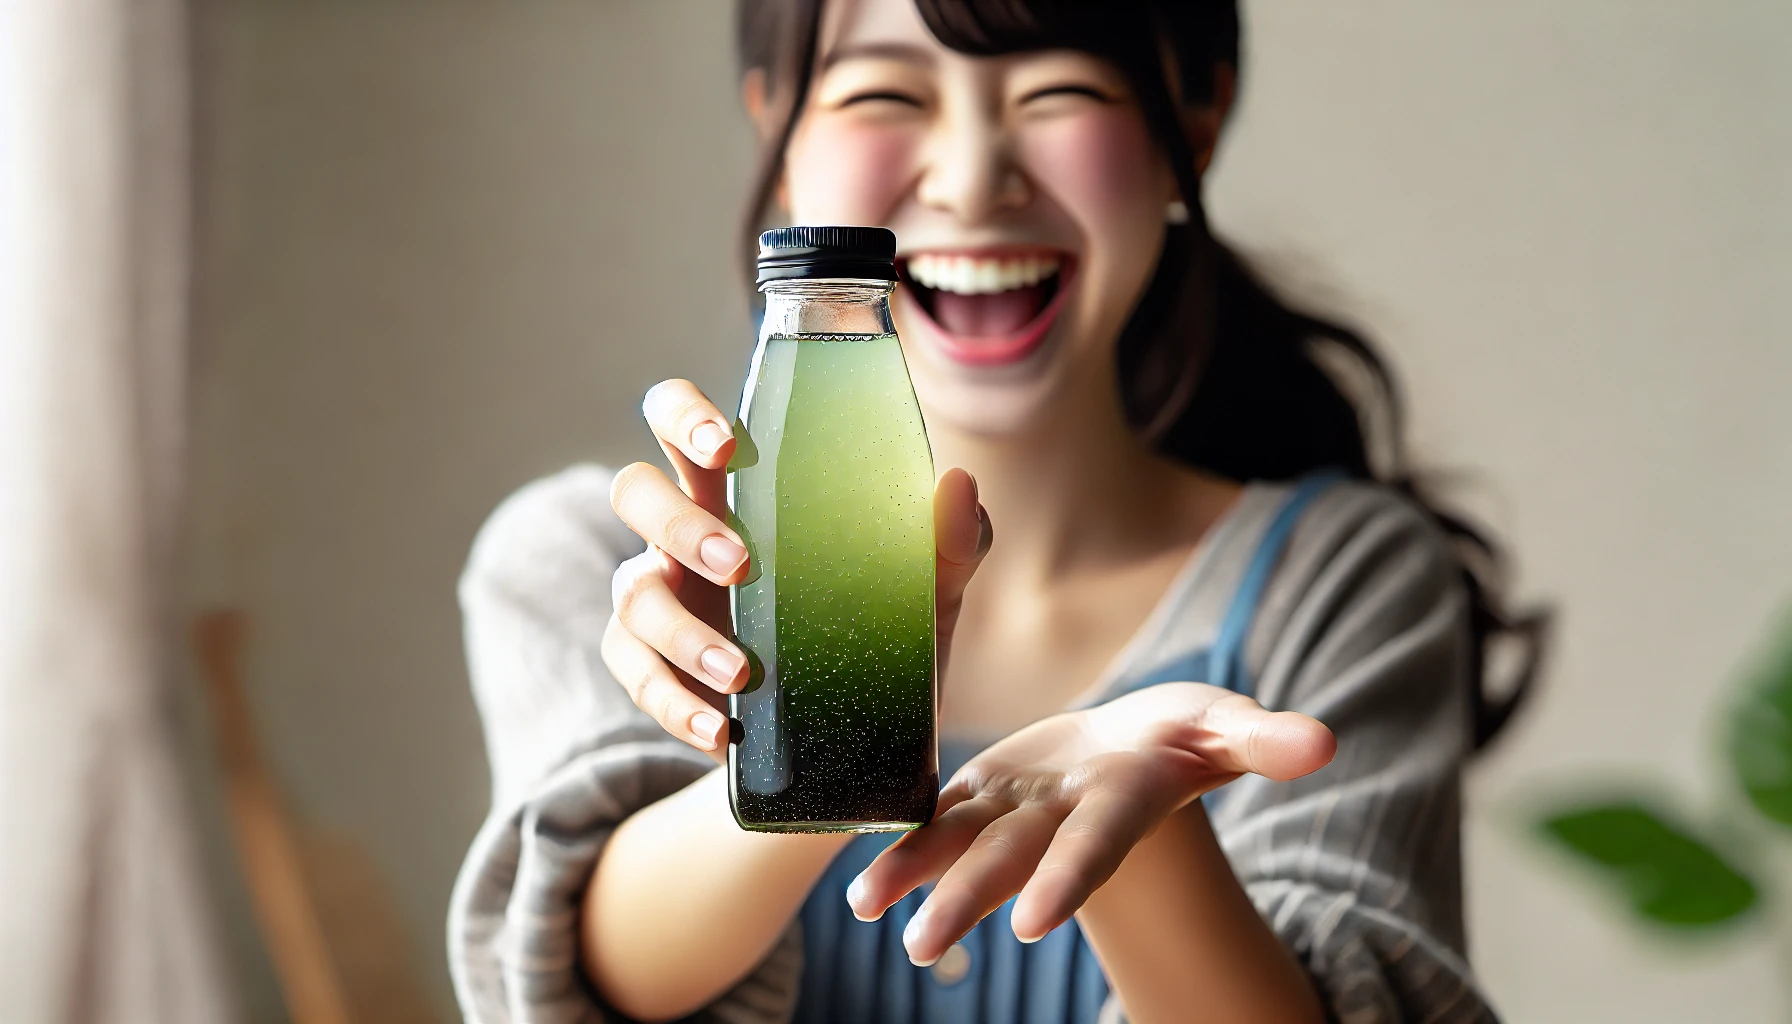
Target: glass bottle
(831, 484)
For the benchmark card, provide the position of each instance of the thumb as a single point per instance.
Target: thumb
(962, 535)
(1242, 736)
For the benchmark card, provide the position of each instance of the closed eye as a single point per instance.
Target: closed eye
(880, 96)
(1085, 91)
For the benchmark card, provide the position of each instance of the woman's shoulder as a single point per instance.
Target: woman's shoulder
(1291, 532)
(551, 532)
(1362, 565)
(1362, 526)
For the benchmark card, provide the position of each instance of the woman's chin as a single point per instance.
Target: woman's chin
(988, 407)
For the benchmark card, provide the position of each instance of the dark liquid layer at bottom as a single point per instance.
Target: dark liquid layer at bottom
(878, 790)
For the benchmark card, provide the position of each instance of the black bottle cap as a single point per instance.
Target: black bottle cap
(866, 254)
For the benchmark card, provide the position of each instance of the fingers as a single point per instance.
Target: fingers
(647, 609)
(682, 417)
(962, 536)
(960, 526)
(657, 690)
(1237, 734)
(1085, 853)
(694, 435)
(665, 517)
(995, 867)
(1229, 732)
(919, 856)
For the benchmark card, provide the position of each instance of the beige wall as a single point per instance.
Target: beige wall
(447, 244)
(1571, 225)
(447, 247)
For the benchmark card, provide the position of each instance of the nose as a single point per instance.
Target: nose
(970, 168)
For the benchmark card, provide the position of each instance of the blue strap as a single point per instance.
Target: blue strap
(1190, 668)
(1226, 657)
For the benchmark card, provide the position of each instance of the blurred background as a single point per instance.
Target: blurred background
(437, 248)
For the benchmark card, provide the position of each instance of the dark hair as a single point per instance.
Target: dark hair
(1214, 369)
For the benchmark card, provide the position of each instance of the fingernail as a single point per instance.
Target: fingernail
(722, 555)
(986, 534)
(912, 935)
(722, 665)
(708, 437)
(706, 726)
(856, 892)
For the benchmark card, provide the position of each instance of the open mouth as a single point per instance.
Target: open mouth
(991, 306)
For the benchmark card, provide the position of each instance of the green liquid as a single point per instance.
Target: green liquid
(833, 486)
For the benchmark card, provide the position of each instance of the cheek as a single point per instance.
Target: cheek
(837, 172)
(1103, 170)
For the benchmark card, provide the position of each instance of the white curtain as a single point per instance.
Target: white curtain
(102, 916)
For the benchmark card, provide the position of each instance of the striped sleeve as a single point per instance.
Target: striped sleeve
(1358, 866)
(571, 757)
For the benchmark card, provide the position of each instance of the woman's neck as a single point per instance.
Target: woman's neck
(1078, 491)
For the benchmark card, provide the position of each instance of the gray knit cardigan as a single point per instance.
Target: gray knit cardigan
(1357, 867)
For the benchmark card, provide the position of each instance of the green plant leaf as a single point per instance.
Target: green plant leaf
(1669, 877)
(1761, 736)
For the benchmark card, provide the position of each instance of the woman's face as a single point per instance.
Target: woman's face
(1027, 199)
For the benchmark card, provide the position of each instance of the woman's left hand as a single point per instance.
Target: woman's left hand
(1051, 811)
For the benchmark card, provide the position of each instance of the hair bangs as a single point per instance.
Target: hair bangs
(1179, 38)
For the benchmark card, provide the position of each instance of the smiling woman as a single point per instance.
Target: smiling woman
(1201, 594)
(977, 164)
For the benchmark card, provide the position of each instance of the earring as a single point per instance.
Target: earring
(1176, 212)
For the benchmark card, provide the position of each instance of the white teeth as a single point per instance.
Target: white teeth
(986, 276)
(960, 276)
(970, 275)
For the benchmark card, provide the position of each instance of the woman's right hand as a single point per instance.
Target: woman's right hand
(668, 641)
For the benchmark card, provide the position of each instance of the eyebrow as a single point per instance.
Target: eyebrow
(907, 53)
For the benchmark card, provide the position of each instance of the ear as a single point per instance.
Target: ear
(756, 103)
(1204, 123)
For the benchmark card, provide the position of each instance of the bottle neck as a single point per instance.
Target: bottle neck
(827, 306)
